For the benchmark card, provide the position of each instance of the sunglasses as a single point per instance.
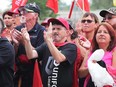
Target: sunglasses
(88, 21)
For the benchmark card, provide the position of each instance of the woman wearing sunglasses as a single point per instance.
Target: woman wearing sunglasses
(89, 22)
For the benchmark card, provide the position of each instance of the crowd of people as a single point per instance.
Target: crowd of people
(61, 50)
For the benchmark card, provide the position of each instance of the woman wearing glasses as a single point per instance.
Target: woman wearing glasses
(104, 38)
(89, 22)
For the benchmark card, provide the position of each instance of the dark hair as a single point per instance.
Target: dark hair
(112, 34)
(7, 13)
(1, 25)
(92, 16)
(74, 35)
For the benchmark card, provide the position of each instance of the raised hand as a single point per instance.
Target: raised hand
(84, 42)
(48, 33)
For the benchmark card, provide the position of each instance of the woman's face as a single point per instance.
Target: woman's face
(103, 36)
(88, 24)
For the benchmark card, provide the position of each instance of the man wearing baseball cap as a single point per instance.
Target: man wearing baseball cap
(109, 16)
(31, 7)
(57, 55)
(29, 19)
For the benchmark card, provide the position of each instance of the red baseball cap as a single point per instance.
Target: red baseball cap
(45, 22)
(63, 21)
(9, 12)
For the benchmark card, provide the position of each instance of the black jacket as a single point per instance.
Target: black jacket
(7, 57)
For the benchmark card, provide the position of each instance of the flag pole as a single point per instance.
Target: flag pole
(72, 6)
(83, 5)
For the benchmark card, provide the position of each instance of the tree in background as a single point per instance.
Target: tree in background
(45, 12)
(101, 4)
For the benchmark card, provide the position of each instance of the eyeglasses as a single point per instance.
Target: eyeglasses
(88, 21)
(24, 12)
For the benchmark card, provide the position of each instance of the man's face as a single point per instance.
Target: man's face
(30, 18)
(16, 20)
(59, 33)
(111, 19)
(8, 20)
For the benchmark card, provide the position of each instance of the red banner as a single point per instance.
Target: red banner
(37, 82)
(53, 4)
(17, 3)
(84, 5)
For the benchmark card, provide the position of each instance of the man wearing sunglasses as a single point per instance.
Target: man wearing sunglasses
(109, 16)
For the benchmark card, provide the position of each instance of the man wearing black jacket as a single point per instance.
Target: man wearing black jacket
(29, 19)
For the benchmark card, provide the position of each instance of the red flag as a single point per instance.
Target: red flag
(53, 4)
(37, 82)
(17, 3)
(84, 5)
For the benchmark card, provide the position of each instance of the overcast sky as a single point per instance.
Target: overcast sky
(68, 2)
(4, 4)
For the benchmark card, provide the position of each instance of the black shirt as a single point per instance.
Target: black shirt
(57, 75)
